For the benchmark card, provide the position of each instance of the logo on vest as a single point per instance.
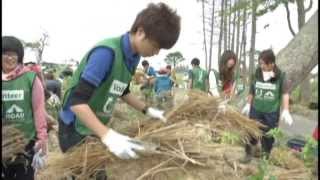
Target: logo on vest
(117, 87)
(14, 112)
(12, 95)
(269, 95)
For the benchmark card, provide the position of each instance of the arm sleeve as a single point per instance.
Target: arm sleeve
(82, 93)
(97, 69)
(99, 65)
(38, 108)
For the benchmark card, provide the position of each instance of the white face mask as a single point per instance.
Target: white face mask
(267, 75)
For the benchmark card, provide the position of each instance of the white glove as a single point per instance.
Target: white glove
(223, 106)
(286, 116)
(39, 160)
(156, 113)
(246, 109)
(121, 145)
(54, 100)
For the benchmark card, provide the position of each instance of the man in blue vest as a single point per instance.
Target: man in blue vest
(104, 75)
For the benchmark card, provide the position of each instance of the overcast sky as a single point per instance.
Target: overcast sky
(74, 26)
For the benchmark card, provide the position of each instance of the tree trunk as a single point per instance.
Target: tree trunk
(243, 41)
(225, 27)
(204, 33)
(233, 30)
(306, 91)
(220, 33)
(229, 26)
(253, 38)
(288, 18)
(300, 56)
(301, 13)
(211, 36)
(238, 34)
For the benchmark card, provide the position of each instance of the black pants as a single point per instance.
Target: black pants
(69, 137)
(20, 168)
(271, 120)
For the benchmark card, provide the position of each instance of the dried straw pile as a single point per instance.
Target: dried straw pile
(184, 144)
(13, 142)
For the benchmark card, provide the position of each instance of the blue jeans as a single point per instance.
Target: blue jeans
(271, 120)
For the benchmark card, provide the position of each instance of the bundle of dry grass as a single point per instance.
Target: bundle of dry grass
(285, 158)
(13, 142)
(184, 143)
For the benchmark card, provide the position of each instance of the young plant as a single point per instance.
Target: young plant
(277, 134)
(230, 138)
(310, 152)
(263, 171)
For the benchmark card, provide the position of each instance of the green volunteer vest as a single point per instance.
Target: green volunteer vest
(198, 78)
(17, 104)
(105, 96)
(268, 95)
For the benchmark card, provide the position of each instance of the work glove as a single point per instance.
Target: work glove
(40, 156)
(246, 109)
(120, 145)
(39, 160)
(222, 107)
(53, 100)
(156, 113)
(286, 116)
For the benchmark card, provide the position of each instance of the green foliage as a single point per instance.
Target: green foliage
(276, 133)
(263, 171)
(309, 152)
(230, 138)
(174, 58)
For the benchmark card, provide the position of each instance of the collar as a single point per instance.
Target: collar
(128, 51)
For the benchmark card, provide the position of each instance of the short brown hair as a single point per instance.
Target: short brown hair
(160, 23)
(267, 56)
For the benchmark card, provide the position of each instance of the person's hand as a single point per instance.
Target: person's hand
(156, 113)
(286, 117)
(39, 160)
(41, 145)
(120, 145)
(54, 100)
(222, 107)
(246, 109)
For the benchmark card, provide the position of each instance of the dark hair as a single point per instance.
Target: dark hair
(168, 66)
(195, 61)
(145, 63)
(160, 23)
(10, 43)
(30, 63)
(227, 74)
(267, 56)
